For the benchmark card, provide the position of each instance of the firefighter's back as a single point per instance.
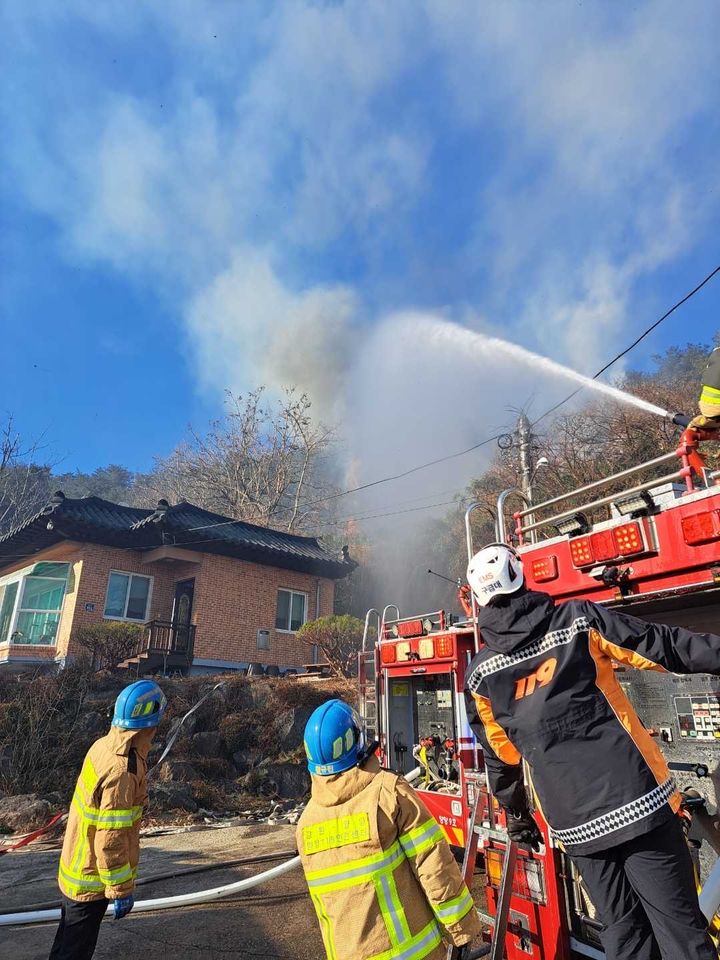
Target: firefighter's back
(362, 884)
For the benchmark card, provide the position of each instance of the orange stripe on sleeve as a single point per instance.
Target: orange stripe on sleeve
(497, 738)
(629, 657)
(621, 707)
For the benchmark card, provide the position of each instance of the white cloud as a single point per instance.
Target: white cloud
(276, 173)
(246, 327)
(598, 106)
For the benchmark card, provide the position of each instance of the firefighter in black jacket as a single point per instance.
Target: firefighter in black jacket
(544, 690)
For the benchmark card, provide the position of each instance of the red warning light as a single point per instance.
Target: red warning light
(387, 653)
(444, 647)
(581, 552)
(628, 539)
(603, 545)
(701, 527)
(544, 569)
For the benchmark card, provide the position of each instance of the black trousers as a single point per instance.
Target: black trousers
(644, 892)
(78, 931)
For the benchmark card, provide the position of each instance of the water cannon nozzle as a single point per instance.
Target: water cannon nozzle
(681, 420)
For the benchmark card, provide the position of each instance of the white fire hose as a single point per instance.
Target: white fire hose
(163, 903)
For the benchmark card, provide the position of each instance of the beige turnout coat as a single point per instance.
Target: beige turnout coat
(381, 876)
(101, 848)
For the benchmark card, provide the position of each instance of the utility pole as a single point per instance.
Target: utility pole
(525, 450)
(527, 474)
(523, 440)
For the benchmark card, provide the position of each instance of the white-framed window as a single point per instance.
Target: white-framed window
(128, 596)
(291, 610)
(31, 603)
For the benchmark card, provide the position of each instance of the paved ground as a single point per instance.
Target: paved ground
(275, 921)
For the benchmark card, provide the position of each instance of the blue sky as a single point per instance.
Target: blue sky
(203, 195)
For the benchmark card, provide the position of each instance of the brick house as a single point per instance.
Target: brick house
(211, 593)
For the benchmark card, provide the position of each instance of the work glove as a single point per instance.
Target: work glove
(701, 422)
(523, 829)
(123, 906)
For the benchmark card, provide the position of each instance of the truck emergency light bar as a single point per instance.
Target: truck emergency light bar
(414, 626)
(625, 540)
(425, 648)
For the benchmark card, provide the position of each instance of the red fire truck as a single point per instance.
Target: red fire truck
(655, 553)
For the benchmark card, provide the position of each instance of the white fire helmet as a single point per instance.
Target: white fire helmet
(494, 570)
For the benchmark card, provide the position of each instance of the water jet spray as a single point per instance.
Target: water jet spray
(462, 341)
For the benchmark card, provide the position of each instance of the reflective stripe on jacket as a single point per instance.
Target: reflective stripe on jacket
(101, 847)
(546, 692)
(382, 878)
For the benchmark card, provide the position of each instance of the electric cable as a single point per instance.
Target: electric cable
(487, 440)
(632, 346)
(341, 520)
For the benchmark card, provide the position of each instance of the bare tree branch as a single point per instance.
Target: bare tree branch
(259, 463)
(24, 483)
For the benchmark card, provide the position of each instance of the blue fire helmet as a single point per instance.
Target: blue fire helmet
(140, 705)
(334, 740)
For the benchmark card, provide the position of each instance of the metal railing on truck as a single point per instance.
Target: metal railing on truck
(691, 472)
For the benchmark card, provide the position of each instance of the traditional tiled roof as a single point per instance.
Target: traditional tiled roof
(94, 520)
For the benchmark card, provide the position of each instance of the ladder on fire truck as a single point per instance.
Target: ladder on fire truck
(367, 679)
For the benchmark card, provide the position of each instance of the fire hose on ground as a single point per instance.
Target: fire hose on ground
(164, 903)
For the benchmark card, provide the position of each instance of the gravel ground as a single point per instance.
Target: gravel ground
(275, 921)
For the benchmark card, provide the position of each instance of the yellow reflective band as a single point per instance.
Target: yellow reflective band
(416, 948)
(325, 927)
(110, 819)
(355, 871)
(112, 878)
(713, 391)
(374, 859)
(711, 396)
(117, 819)
(336, 833)
(337, 748)
(452, 911)
(391, 909)
(421, 838)
(88, 777)
(79, 850)
(90, 883)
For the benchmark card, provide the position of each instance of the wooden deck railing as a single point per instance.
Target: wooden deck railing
(166, 638)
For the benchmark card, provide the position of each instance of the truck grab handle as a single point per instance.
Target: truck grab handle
(699, 769)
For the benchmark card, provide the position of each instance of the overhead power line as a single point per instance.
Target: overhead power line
(487, 440)
(632, 346)
(462, 453)
(374, 516)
